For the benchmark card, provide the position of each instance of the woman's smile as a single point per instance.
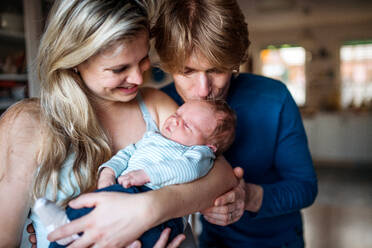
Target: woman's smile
(128, 89)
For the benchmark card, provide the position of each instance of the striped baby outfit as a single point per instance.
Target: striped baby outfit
(165, 162)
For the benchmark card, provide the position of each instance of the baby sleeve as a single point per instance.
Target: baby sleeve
(194, 163)
(119, 162)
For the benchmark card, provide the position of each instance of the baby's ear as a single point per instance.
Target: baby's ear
(213, 147)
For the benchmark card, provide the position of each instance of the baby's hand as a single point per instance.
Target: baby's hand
(134, 178)
(106, 178)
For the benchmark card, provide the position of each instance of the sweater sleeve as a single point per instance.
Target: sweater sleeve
(191, 165)
(119, 162)
(297, 188)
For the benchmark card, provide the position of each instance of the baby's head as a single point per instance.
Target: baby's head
(210, 123)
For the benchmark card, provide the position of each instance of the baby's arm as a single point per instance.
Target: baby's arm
(110, 170)
(134, 178)
(106, 178)
(193, 164)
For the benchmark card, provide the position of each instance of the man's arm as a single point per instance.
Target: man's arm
(296, 189)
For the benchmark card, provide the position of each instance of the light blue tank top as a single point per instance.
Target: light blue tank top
(66, 175)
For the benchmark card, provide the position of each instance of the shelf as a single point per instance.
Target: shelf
(12, 35)
(14, 77)
(6, 103)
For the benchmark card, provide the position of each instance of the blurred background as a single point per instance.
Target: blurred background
(322, 51)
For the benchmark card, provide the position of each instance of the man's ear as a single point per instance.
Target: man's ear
(213, 147)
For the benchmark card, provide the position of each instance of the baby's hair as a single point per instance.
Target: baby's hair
(224, 133)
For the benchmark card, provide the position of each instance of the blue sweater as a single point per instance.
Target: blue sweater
(271, 147)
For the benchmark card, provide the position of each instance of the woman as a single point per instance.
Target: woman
(91, 60)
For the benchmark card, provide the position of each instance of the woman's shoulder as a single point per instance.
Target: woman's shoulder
(23, 117)
(159, 104)
(155, 96)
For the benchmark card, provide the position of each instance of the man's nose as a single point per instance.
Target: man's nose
(203, 85)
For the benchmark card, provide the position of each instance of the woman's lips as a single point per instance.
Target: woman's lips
(128, 90)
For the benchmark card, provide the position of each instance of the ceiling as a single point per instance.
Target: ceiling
(276, 14)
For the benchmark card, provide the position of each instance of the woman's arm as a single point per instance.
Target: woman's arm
(191, 197)
(179, 200)
(20, 137)
(131, 215)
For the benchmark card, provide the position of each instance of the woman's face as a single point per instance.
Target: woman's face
(116, 73)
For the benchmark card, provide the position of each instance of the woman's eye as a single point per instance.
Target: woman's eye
(119, 70)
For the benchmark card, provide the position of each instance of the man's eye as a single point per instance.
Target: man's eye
(187, 72)
(215, 71)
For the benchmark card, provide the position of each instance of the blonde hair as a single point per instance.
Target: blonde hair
(76, 31)
(214, 28)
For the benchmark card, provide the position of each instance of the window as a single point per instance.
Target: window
(356, 73)
(287, 64)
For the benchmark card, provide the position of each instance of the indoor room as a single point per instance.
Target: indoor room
(321, 51)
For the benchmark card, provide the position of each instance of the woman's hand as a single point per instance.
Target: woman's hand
(162, 241)
(32, 236)
(117, 220)
(229, 207)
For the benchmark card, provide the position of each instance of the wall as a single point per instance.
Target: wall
(323, 54)
(340, 138)
(320, 27)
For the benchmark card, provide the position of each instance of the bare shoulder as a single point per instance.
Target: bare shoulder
(159, 104)
(157, 97)
(22, 122)
(24, 114)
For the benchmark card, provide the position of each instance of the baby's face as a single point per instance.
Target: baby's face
(192, 124)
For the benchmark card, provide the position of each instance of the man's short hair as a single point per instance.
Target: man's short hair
(215, 29)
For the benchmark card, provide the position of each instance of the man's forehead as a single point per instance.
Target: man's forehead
(198, 61)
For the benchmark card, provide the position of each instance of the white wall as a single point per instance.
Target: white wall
(316, 25)
(342, 137)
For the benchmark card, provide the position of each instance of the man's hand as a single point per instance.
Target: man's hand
(229, 207)
(134, 178)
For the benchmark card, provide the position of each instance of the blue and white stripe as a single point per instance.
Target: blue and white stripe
(165, 162)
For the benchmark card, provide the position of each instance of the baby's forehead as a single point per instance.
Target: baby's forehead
(197, 104)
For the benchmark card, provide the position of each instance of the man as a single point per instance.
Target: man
(202, 44)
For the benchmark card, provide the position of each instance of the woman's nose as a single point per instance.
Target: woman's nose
(135, 76)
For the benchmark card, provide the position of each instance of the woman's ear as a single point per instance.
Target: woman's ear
(213, 147)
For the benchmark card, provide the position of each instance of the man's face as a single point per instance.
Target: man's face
(201, 81)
